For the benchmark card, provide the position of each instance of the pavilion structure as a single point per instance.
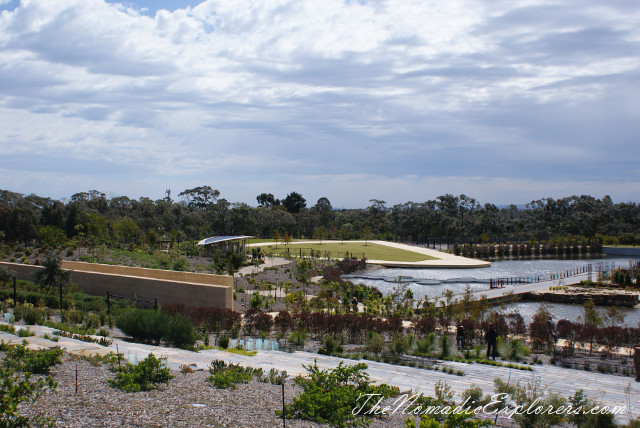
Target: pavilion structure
(225, 245)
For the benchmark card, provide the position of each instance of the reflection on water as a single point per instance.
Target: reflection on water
(568, 312)
(433, 282)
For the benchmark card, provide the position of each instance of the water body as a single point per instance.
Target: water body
(433, 282)
(568, 312)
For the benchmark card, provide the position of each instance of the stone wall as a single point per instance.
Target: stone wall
(620, 298)
(192, 289)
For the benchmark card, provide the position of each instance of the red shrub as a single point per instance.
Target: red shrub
(424, 325)
(284, 321)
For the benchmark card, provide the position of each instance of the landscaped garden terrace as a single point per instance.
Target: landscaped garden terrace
(340, 250)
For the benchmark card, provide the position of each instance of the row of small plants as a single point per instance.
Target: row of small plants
(525, 250)
(492, 363)
(331, 347)
(401, 362)
(76, 329)
(103, 341)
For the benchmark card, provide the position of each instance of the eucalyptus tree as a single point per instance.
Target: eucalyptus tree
(52, 274)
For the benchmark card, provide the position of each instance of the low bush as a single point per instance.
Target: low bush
(144, 376)
(25, 332)
(8, 328)
(329, 396)
(375, 343)
(153, 326)
(144, 324)
(29, 313)
(330, 346)
(225, 375)
(223, 342)
(16, 388)
(180, 333)
(21, 358)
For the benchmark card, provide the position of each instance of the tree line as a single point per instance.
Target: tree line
(201, 212)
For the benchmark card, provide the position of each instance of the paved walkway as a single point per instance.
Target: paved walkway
(607, 389)
(268, 262)
(443, 260)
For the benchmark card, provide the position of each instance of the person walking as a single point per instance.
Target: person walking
(491, 336)
(460, 337)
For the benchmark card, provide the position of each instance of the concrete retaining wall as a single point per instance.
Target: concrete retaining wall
(629, 300)
(191, 289)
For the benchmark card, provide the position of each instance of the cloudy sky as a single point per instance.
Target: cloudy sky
(399, 100)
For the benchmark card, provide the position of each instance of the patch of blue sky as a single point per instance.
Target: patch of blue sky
(150, 7)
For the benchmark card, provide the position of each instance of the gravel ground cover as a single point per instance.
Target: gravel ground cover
(188, 401)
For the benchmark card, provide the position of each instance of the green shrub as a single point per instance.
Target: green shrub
(144, 324)
(462, 419)
(29, 313)
(474, 396)
(426, 345)
(33, 316)
(298, 337)
(16, 388)
(8, 328)
(533, 393)
(223, 342)
(375, 343)
(23, 359)
(228, 376)
(514, 350)
(145, 375)
(329, 396)
(73, 316)
(25, 332)
(92, 320)
(330, 345)
(153, 326)
(180, 264)
(398, 345)
(445, 346)
(181, 333)
(587, 420)
(276, 376)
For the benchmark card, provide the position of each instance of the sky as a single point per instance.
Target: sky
(395, 100)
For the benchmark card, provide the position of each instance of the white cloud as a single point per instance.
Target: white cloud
(245, 92)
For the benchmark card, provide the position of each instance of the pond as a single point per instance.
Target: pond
(433, 282)
(569, 312)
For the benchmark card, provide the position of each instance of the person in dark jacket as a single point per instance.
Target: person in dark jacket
(492, 336)
(460, 337)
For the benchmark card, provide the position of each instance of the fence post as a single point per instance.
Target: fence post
(155, 303)
(15, 293)
(636, 362)
(108, 304)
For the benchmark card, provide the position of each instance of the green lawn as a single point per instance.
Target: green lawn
(337, 250)
(259, 240)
